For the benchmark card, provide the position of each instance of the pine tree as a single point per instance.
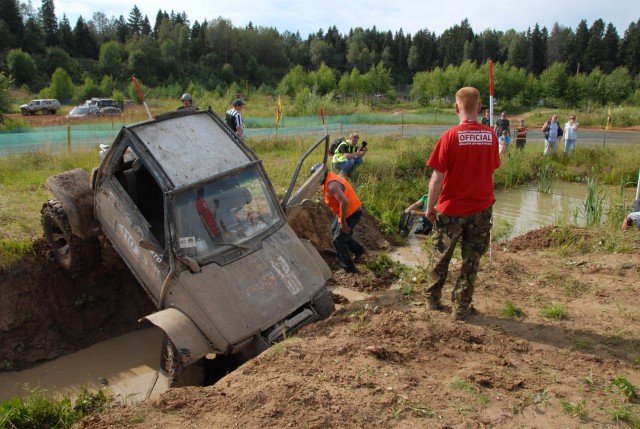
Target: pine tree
(593, 54)
(135, 21)
(84, 40)
(610, 48)
(537, 50)
(14, 26)
(49, 23)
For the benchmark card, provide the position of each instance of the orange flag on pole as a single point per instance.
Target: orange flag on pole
(280, 111)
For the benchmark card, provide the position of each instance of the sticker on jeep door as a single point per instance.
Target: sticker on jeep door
(187, 242)
(284, 271)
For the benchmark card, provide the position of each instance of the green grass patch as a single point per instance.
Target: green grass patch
(554, 311)
(512, 311)
(578, 410)
(464, 385)
(41, 410)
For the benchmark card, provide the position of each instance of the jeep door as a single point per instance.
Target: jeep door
(129, 205)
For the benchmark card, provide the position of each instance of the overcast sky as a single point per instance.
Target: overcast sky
(307, 16)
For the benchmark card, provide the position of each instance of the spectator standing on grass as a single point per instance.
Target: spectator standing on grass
(463, 164)
(502, 124)
(486, 120)
(233, 118)
(552, 132)
(570, 134)
(521, 135)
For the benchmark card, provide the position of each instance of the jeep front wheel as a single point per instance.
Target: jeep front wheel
(179, 374)
(73, 253)
(25, 112)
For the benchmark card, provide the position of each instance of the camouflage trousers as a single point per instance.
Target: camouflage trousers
(473, 234)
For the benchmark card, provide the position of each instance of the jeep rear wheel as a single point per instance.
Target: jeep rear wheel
(73, 253)
(179, 374)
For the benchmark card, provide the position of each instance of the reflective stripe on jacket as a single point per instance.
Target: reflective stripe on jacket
(339, 157)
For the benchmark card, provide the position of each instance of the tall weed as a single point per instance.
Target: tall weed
(594, 204)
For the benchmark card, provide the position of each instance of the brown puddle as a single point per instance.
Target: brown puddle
(126, 365)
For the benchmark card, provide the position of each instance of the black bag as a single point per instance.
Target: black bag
(424, 226)
(405, 224)
(334, 145)
(231, 121)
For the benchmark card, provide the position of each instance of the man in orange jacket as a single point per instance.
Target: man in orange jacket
(341, 198)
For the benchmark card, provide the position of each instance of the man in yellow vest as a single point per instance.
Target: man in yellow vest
(341, 198)
(348, 155)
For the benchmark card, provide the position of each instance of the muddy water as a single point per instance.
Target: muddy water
(525, 209)
(126, 365)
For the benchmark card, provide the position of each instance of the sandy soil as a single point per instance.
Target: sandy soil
(388, 362)
(385, 361)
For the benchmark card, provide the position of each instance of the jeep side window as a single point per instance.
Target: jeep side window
(144, 191)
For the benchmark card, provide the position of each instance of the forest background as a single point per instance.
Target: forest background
(589, 67)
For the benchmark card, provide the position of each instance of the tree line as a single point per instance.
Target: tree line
(173, 52)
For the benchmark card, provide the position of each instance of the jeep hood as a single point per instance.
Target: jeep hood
(251, 294)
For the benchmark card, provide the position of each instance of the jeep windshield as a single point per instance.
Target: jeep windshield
(224, 214)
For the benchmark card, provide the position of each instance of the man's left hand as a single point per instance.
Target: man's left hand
(344, 227)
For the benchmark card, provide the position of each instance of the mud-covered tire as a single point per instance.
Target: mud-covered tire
(73, 253)
(25, 112)
(178, 374)
(323, 303)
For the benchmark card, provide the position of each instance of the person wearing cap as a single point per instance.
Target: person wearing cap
(233, 118)
(186, 101)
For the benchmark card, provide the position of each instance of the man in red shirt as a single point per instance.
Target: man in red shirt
(463, 163)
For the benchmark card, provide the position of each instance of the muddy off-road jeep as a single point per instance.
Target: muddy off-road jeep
(190, 209)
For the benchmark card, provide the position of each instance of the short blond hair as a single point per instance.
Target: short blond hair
(468, 99)
(352, 135)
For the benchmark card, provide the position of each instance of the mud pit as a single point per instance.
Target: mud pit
(388, 362)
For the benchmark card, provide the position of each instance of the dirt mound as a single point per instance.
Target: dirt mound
(315, 226)
(537, 239)
(389, 362)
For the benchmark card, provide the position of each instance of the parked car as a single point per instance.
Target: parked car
(46, 106)
(190, 209)
(105, 105)
(83, 111)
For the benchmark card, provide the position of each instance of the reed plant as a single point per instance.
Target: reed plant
(594, 205)
(546, 178)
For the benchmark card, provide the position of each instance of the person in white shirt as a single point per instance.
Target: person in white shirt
(570, 135)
